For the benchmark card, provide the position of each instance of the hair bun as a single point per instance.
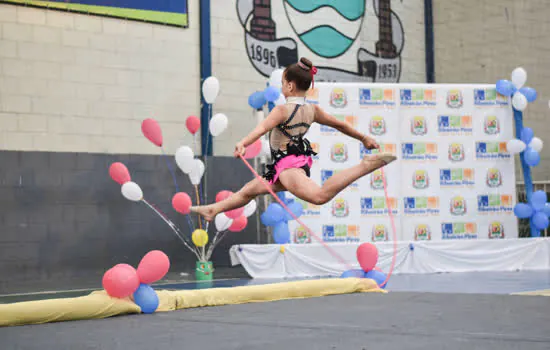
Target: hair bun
(306, 63)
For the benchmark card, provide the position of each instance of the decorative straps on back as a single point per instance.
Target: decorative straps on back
(283, 127)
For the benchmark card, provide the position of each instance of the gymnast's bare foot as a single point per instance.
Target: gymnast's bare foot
(376, 161)
(206, 211)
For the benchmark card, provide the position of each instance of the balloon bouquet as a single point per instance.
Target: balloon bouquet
(367, 256)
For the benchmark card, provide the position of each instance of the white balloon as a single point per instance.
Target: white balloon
(131, 191)
(222, 222)
(184, 159)
(519, 77)
(519, 101)
(250, 208)
(197, 171)
(515, 146)
(218, 124)
(276, 78)
(536, 144)
(210, 89)
(281, 100)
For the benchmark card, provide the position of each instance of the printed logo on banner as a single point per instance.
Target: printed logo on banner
(377, 126)
(418, 97)
(491, 126)
(458, 230)
(338, 98)
(340, 208)
(458, 206)
(379, 233)
(301, 235)
(461, 177)
(310, 210)
(456, 152)
(454, 98)
(376, 97)
(419, 126)
(493, 178)
(454, 125)
(494, 203)
(489, 97)
(496, 230)
(376, 206)
(384, 147)
(420, 179)
(422, 232)
(326, 174)
(339, 152)
(341, 233)
(377, 180)
(492, 150)
(316, 147)
(419, 151)
(421, 205)
(312, 96)
(329, 131)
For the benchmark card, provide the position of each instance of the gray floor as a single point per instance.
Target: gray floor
(398, 320)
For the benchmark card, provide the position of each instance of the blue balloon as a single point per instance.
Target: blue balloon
(538, 200)
(527, 135)
(296, 209)
(272, 93)
(281, 233)
(540, 220)
(257, 100)
(546, 209)
(358, 273)
(505, 87)
(276, 211)
(146, 298)
(529, 93)
(378, 276)
(523, 211)
(267, 219)
(532, 157)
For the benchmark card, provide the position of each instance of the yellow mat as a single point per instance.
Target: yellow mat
(100, 305)
(542, 292)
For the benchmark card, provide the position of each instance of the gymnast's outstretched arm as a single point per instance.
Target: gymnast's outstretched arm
(275, 117)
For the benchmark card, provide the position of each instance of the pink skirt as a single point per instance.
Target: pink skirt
(290, 162)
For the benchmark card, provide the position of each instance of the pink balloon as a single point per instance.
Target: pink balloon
(222, 195)
(151, 130)
(181, 203)
(238, 224)
(120, 281)
(367, 256)
(254, 149)
(235, 213)
(153, 267)
(119, 173)
(193, 124)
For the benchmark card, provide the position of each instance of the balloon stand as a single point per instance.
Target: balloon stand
(204, 271)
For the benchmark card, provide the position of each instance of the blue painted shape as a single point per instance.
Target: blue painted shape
(206, 71)
(326, 41)
(172, 6)
(350, 9)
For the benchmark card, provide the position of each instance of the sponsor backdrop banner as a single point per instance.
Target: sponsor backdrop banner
(453, 179)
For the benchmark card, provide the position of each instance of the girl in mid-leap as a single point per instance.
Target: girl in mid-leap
(291, 152)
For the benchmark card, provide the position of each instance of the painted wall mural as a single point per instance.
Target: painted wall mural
(328, 29)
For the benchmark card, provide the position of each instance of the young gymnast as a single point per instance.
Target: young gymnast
(291, 152)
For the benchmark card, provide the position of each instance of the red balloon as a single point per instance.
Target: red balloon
(235, 213)
(222, 195)
(254, 149)
(193, 124)
(367, 256)
(119, 173)
(120, 281)
(151, 130)
(238, 224)
(153, 267)
(182, 203)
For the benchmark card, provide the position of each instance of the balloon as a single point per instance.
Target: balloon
(296, 209)
(272, 93)
(529, 93)
(538, 200)
(120, 281)
(181, 202)
(146, 298)
(540, 220)
(238, 224)
(193, 124)
(222, 222)
(281, 233)
(119, 173)
(367, 256)
(378, 276)
(267, 219)
(218, 124)
(353, 274)
(546, 209)
(515, 146)
(250, 208)
(197, 171)
(276, 211)
(131, 191)
(527, 135)
(153, 267)
(519, 101)
(210, 89)
(532, 157)
(523, 211)
(276, 78)
(505, 87)
(222, 195)
(151, 130)
(235, 213)
(257, 100)
(536, 144)
(254, 149)
(184, 159)
(519, 77)
(200, 237)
